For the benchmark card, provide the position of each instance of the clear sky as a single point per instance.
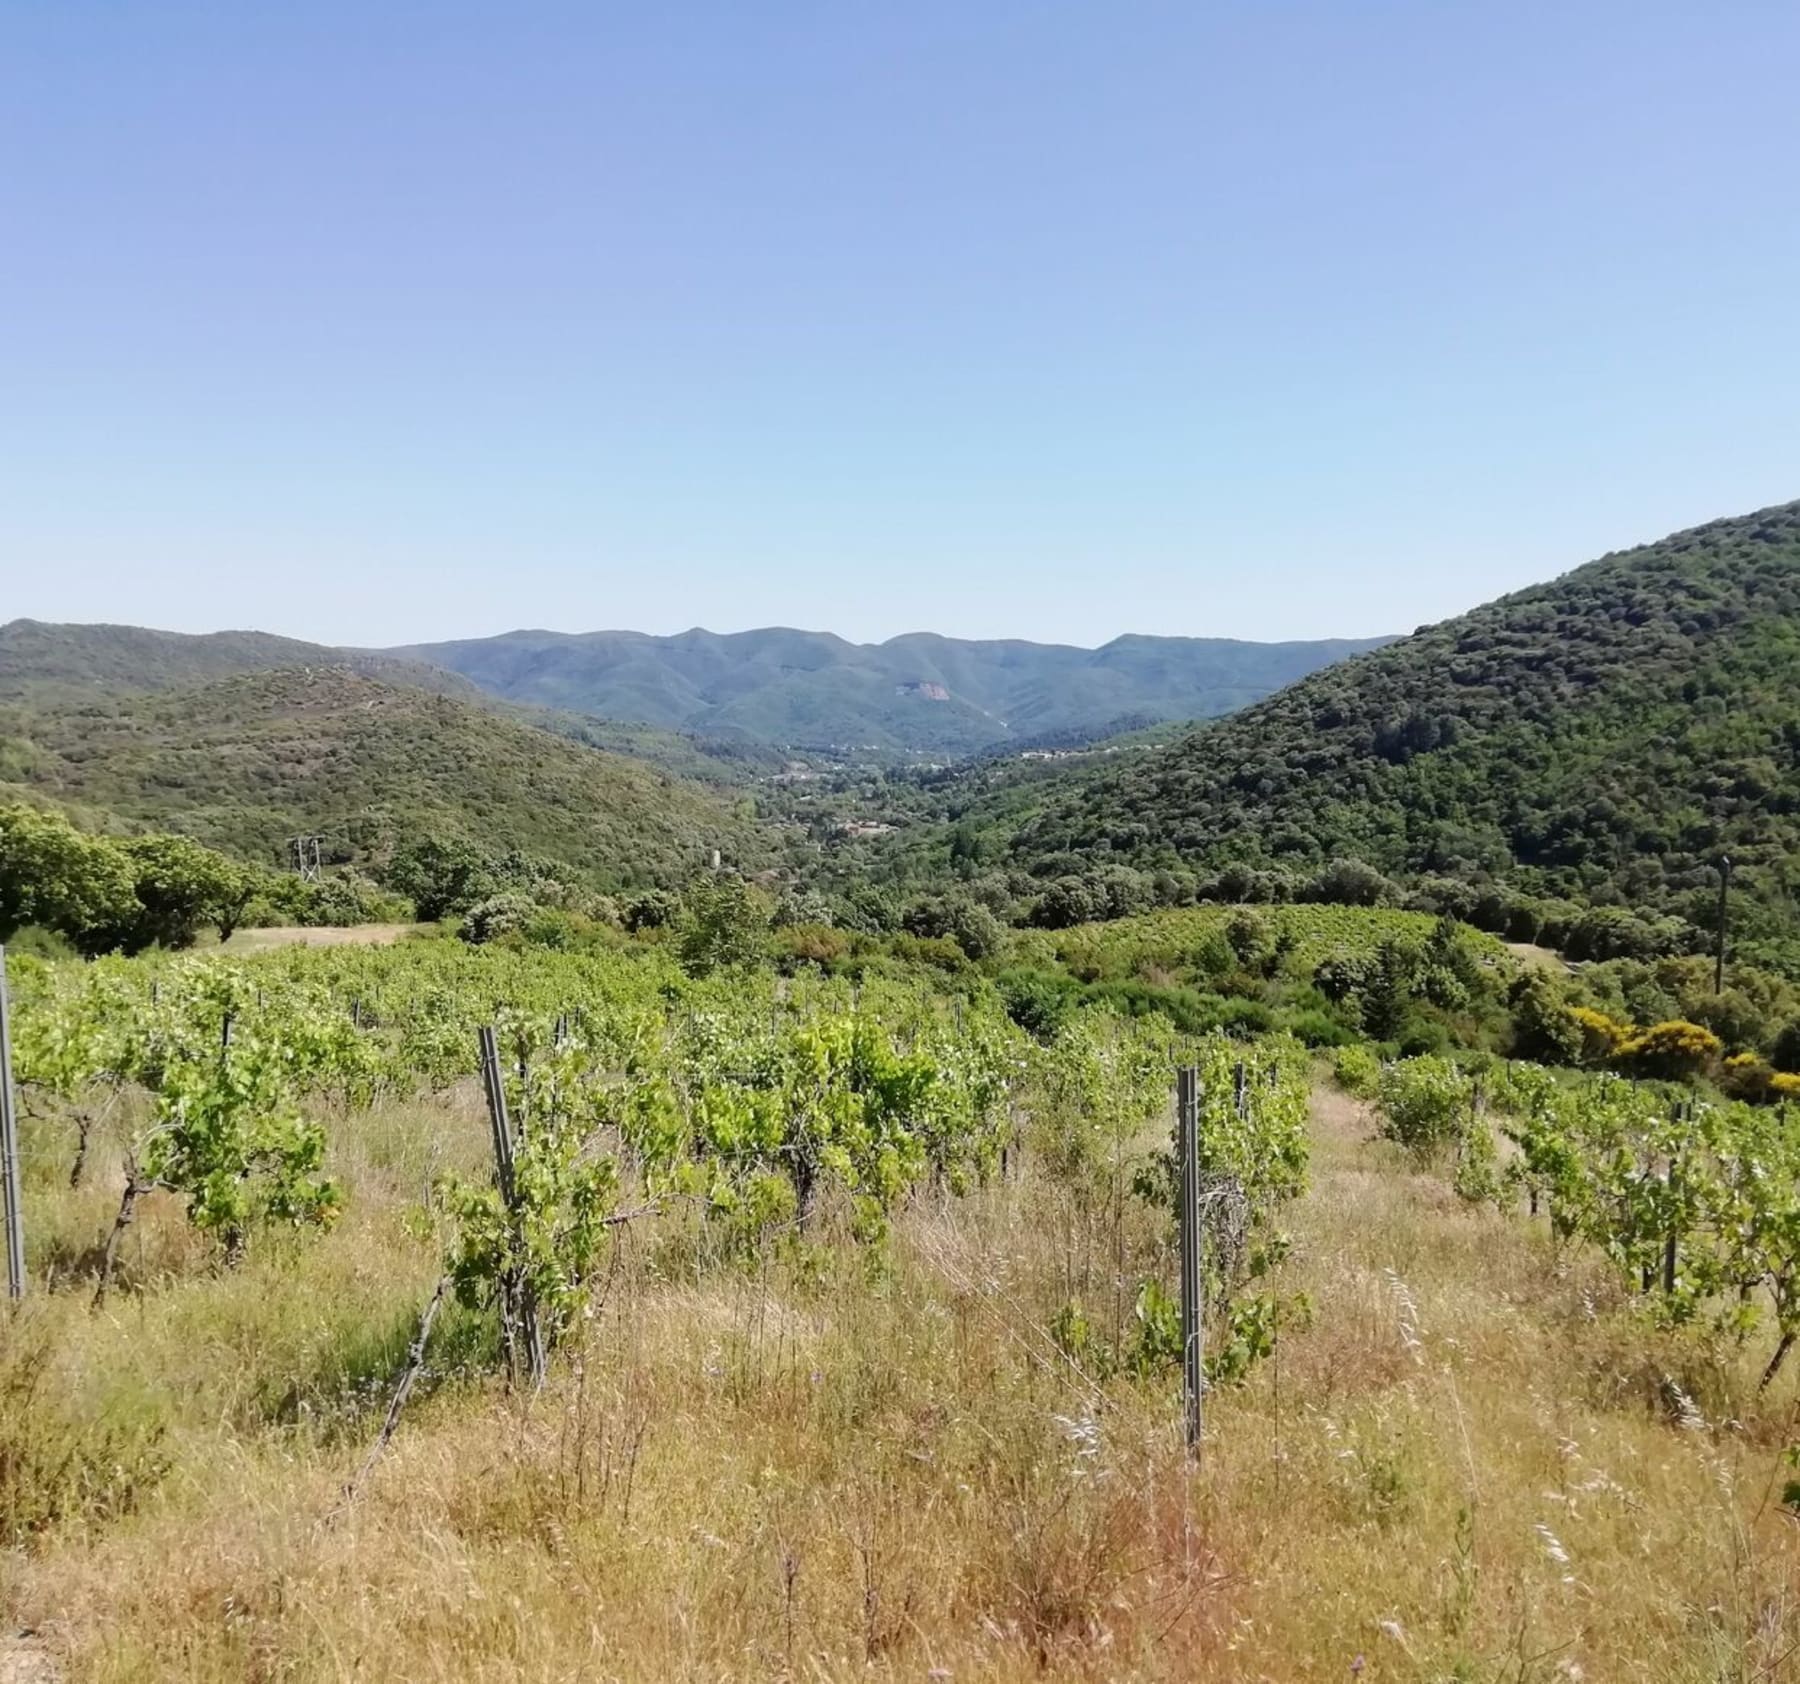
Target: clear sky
(372, 321)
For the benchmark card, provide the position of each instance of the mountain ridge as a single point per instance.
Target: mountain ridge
(787, 685)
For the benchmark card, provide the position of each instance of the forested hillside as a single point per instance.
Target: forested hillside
(44, 664)
(250, 760)
(1606, 736)
(919, 693)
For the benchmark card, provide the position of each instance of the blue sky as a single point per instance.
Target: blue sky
(995, 317)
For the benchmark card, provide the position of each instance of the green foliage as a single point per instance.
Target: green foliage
(1357, 1071)
(1602, 737)
(499, 915)
(541, 1249)
(52, 875)
(1427, 1104)
(446, 787)
(104, 895)
(722, 925)
(181, 886)
(439, 877)
(226, 1135)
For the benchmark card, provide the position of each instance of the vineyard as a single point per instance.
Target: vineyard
(438, 1311)
(1173, 940)
(1696, 1203)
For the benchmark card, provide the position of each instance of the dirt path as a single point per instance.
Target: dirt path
(1540, 958)
(322, 935)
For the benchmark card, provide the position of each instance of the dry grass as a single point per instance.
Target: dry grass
(263, 937)
(1469, 1465)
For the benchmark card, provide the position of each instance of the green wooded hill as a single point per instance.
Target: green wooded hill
(46, 664)
(1606, 736)
(251, 759)
(918, 694)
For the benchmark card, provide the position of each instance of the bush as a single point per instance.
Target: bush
(1353, 883)
(655, 909)
(1314, 1028)
(940, 951)
(811, 944)
(1357, 1071)
(499, 915)
(1039, 1002)
(976, 930)
(1599, 1038)
(722, 926)
(1672, 1052)
(1543, 1029)
(1425, 1104)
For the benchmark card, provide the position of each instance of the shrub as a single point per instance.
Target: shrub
(1542, 1028)
(1676, 1051)
(1601, 1038)
(1039, 1002)
(1357, 1071)
(811, 944)
(1425, 1103)
(1746, 1077)
(499, 915)
(975, 930)
(1314, 1028)
(721, 927)
(1353, 883)
(655, 909)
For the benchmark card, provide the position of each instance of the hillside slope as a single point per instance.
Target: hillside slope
(252, 759)
(919, 693)
(1610, 733)
(46, 664)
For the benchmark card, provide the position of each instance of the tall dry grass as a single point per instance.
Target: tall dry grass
(1470, 1463)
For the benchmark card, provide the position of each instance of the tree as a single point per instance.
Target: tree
(1352, 883)
(721, 926)
(1389, 991)
(179, 886)
(52, 874)
(498, 915)
(1248, 937)
(655, 909)
(975, 930)
(1544, 1031)
(1067, 901)
(440, 878)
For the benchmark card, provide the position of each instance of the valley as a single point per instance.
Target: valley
(511, 1192)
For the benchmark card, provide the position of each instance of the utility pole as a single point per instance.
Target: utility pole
(1724, 908)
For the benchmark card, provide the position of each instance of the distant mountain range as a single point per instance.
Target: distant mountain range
(919, 694)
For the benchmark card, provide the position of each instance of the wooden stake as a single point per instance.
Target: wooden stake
(1187, 1138)
(518, 1308)
(415, 1366)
